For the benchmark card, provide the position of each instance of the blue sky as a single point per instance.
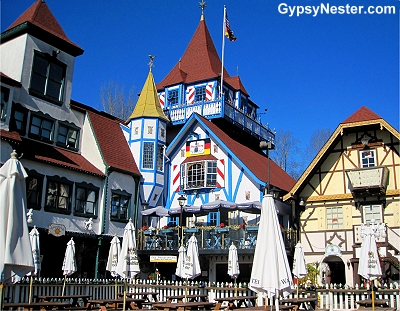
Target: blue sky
(311, 72)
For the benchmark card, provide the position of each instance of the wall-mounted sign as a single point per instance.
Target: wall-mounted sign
(56, 229)
(161, 258)
(198, 147)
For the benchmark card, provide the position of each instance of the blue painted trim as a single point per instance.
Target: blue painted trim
(238, 184)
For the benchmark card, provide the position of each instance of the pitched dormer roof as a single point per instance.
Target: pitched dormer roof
(110, 139)
(38, 21)
(148, 104)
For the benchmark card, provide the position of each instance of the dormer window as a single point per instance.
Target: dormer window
(47, 78)
(173, 97)
(68, 136)
(200, 94)
(41, 128)
(5, 94)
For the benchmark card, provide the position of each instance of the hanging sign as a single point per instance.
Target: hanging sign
(162, 258)
(198, 147)
(56, 229)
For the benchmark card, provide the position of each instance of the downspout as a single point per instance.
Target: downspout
(136, 213)
(102, 223)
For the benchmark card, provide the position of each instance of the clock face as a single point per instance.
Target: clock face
(197, 147)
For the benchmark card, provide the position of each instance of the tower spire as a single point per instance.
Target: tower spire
(202, 5)
(152, 57)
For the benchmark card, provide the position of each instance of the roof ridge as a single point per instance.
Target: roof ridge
(362, 114)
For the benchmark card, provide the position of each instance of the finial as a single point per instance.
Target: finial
(152, 57)
(202, 5)
(13, 154)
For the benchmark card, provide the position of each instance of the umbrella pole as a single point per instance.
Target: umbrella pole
(236, 291)
(116, 289)
(30, 289)
(123, 308)
(1, 295)
(65, 280)
(373, 297)
(186, 289)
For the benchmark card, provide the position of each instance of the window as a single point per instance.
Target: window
(86, 197)
(367, 158)
(202, 174)
(173, 221)
(41, 128)
(19, 116)
(372, 212)
(213, 218)
(68, 136)
(47, 78)
(148, 155)
(334, 217)
(200, 94)
(34, 186)
(173, 97)
(160, 158)
(5, 94)
(120, 205)
(58, 196)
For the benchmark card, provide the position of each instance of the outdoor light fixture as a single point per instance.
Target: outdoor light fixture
(275, 192)
(88, 224)
(29, 215)
(302, 203)
(181, 201)
(348, 264)
(365, 140)
(145, 204)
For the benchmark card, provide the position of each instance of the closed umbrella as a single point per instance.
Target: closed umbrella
(233, 264)
(14, 235)
(34, 237)
(369, 266)
(299, 264)
(128, 263)
(271, 272)
(158, 211)
(192, 264)
(113, 255)
(69, 264)
(181, 261)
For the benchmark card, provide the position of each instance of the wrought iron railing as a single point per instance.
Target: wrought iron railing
(208, 237)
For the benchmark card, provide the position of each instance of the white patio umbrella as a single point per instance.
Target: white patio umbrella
(113, 255)
(128, 263)
(299, 264)
(369, 266)
(233, 264)
(192, 264)
(14, 235)
(181, 261)
(271, 273)
(35, 247)
(69, 263)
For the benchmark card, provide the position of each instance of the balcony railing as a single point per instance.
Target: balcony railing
(368, 180)
(179, 114)
(209, 238)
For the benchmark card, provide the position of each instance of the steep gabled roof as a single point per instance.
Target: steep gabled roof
(362, 114)
(255, 162)
(40, 22)
(111, 140)
(148, 104)
(362, 117)
(199, 62)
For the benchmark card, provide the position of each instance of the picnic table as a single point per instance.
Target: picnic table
(235, 302)
(189, 298)
(384, 303)
(281, 307)
(308, 302)
(41, 305)
(72, 298)
(144, 295)
(192, 305)
(113, 304)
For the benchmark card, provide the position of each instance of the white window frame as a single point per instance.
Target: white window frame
(367, 158)
(334, 217)
(372, 211)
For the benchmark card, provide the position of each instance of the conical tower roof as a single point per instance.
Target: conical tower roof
(199, 62)
(41, 23)
(148, 104)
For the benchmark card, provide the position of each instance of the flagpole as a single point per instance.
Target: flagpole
(223, 53)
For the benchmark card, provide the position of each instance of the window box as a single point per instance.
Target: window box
(192, 230)
(166, 231)
(148, 232)
(221, 230)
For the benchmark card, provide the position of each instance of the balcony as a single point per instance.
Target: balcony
(368, 180)
(179, 114)
(210, 239)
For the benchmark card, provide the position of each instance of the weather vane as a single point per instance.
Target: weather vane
(202, 4)
(152, 57)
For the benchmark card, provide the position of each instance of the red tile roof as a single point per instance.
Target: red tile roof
(199, 62)
(10, 136)
(40, 15)
(112, 143)
(255, 162)
(362, 114)
(39, 152)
